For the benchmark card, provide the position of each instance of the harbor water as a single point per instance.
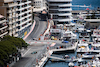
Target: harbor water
(93, 3)
(61, 64)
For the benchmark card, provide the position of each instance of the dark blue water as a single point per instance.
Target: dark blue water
(94, 4)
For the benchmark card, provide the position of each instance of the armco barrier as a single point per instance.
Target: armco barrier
(30, 31)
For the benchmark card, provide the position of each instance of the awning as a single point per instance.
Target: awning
(52, 44)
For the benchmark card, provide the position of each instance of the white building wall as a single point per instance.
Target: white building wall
(39, 5)
(60, 10)
(18, 17)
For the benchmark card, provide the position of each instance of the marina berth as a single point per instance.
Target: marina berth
(90, 55)
(82, 47)
(69, 34)
(96, 33)
(95, 46)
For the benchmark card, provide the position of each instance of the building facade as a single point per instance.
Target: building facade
(92, 18)
(3, 27)
(60, 11)
(18, 15)
(39, 5)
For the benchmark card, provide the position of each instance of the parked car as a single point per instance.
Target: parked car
(34, 52)
(63, 41)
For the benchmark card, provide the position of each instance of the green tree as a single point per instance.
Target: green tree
(8, 47)
(1, 63)
(18, 42)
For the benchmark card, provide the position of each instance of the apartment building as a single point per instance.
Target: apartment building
(18, 15)
(3, 27)
(91, 17)
(39, 5)
(60, 11)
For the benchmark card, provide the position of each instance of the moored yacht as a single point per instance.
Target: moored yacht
(82, 47)
(95, 46)
(96, 33)
(69, 34)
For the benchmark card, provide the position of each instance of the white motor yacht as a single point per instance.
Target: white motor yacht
(69, 34)
(96, 63)
(90, 55)
(82, 47)
(95, 46)
(96, 33)
(71, 64)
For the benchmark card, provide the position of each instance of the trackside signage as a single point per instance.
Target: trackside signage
(55, 30)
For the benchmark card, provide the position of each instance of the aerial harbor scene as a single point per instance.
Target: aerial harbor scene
(49, 33)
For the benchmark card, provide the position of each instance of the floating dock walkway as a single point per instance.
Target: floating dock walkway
(65, 49)
(61, 59)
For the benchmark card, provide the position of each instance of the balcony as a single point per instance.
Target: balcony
(14, 26)
(11, 5)
(2, 21)
(13, 31)
(27, 7)
(21, 4)
(25, 26)
(9, 11)
(10, 22)
(13, 21)
(16, 19)
(13, 10)
(24, 12)
(28, 2)
(21, 9)
(25, 17)
(25, 22)
(9, 17)
(10, 33)
(16, 35)
(3, 27)
(14, 16)
(28, 15)
(16, 30)
(16, 9)
(3, 34)
(24, 8)
(10, 28)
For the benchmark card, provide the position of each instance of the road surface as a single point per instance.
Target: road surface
(39, 29)
(28, 58)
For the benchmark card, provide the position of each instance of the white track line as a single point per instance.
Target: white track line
(25, 52)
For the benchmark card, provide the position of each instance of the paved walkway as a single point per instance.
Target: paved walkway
(42, 62)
